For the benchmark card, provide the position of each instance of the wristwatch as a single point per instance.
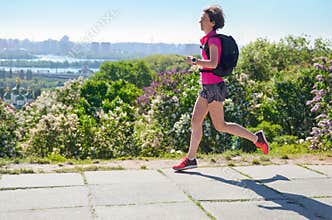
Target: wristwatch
(194, 60)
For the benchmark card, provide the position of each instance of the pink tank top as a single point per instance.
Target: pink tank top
(207, 77)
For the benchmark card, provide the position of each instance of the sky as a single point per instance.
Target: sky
(167, 21)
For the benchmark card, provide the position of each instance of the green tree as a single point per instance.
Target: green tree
(134, 72)
(94, 92)
(127, 92)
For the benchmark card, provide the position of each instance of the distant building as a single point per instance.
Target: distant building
(7, 96)
(105, 48)
(95, 46)
(85, 70)
(16, 98)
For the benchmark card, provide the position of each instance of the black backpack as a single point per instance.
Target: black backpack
(229, 55)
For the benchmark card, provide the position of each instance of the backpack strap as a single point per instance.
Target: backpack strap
(206, 48)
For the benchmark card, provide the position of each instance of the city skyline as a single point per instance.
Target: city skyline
(161, 21)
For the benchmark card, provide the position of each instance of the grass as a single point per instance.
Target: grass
(88, 168)
(16, 171)
(53, 161)
(229, 154)
(264, 158)
(229, 157)
(289, 149)
(143, 167)
(284, 157)
(255, 162)
(230, 164)
(212, 160)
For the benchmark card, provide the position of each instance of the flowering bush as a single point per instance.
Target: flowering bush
(116, 136)
(105, 116)
(165, 102)
(169, 102)
(8, 132)
(321, 104)
(62, 100)
(55, 134)
(149, 131)
(50, 125)
(169, 96)
(56, 123)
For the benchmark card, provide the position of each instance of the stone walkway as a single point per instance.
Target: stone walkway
(251, 192)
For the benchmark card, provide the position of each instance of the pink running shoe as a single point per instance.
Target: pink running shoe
(186, 164)
(261, 142)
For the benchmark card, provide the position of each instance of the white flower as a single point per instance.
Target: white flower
(175, 99)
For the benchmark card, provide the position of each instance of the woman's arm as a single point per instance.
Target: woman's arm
(212, 62)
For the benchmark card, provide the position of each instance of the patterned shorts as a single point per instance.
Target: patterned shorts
(214, 92)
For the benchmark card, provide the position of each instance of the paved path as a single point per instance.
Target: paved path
(252, 192)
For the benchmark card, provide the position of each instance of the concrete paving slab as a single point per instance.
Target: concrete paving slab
(124, 176)
(258, 210)
(136, 193)
(176, 211)
(326, 169)
(321, 207)
(229, 190)
(49, 214)
(203, 175)
(41, 180)
(219, 184)
(304, 187)
(272, 171)
(13, 200)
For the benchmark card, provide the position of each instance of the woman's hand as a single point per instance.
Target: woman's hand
(189, 60)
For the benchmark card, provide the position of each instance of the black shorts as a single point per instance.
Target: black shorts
(214, 92)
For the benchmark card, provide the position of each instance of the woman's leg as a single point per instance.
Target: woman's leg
(216, 110)
(199, 113)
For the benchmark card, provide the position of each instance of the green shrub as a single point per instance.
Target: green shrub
(8, 132)
(284, 149)
(270, 130)
(285, 139)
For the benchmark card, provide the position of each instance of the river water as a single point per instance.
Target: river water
(53, 58)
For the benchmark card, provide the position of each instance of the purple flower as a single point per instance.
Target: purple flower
(312, 147)
(324, 123)
(185, 71)
(309, 102)
(149, 91)
(315, 108)
(314, 91)
(143, 100)
(155, 84)
(319, 78)
(318, 92)
(315, 131)
(323, 115)
(319, 66)
(317, 98)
